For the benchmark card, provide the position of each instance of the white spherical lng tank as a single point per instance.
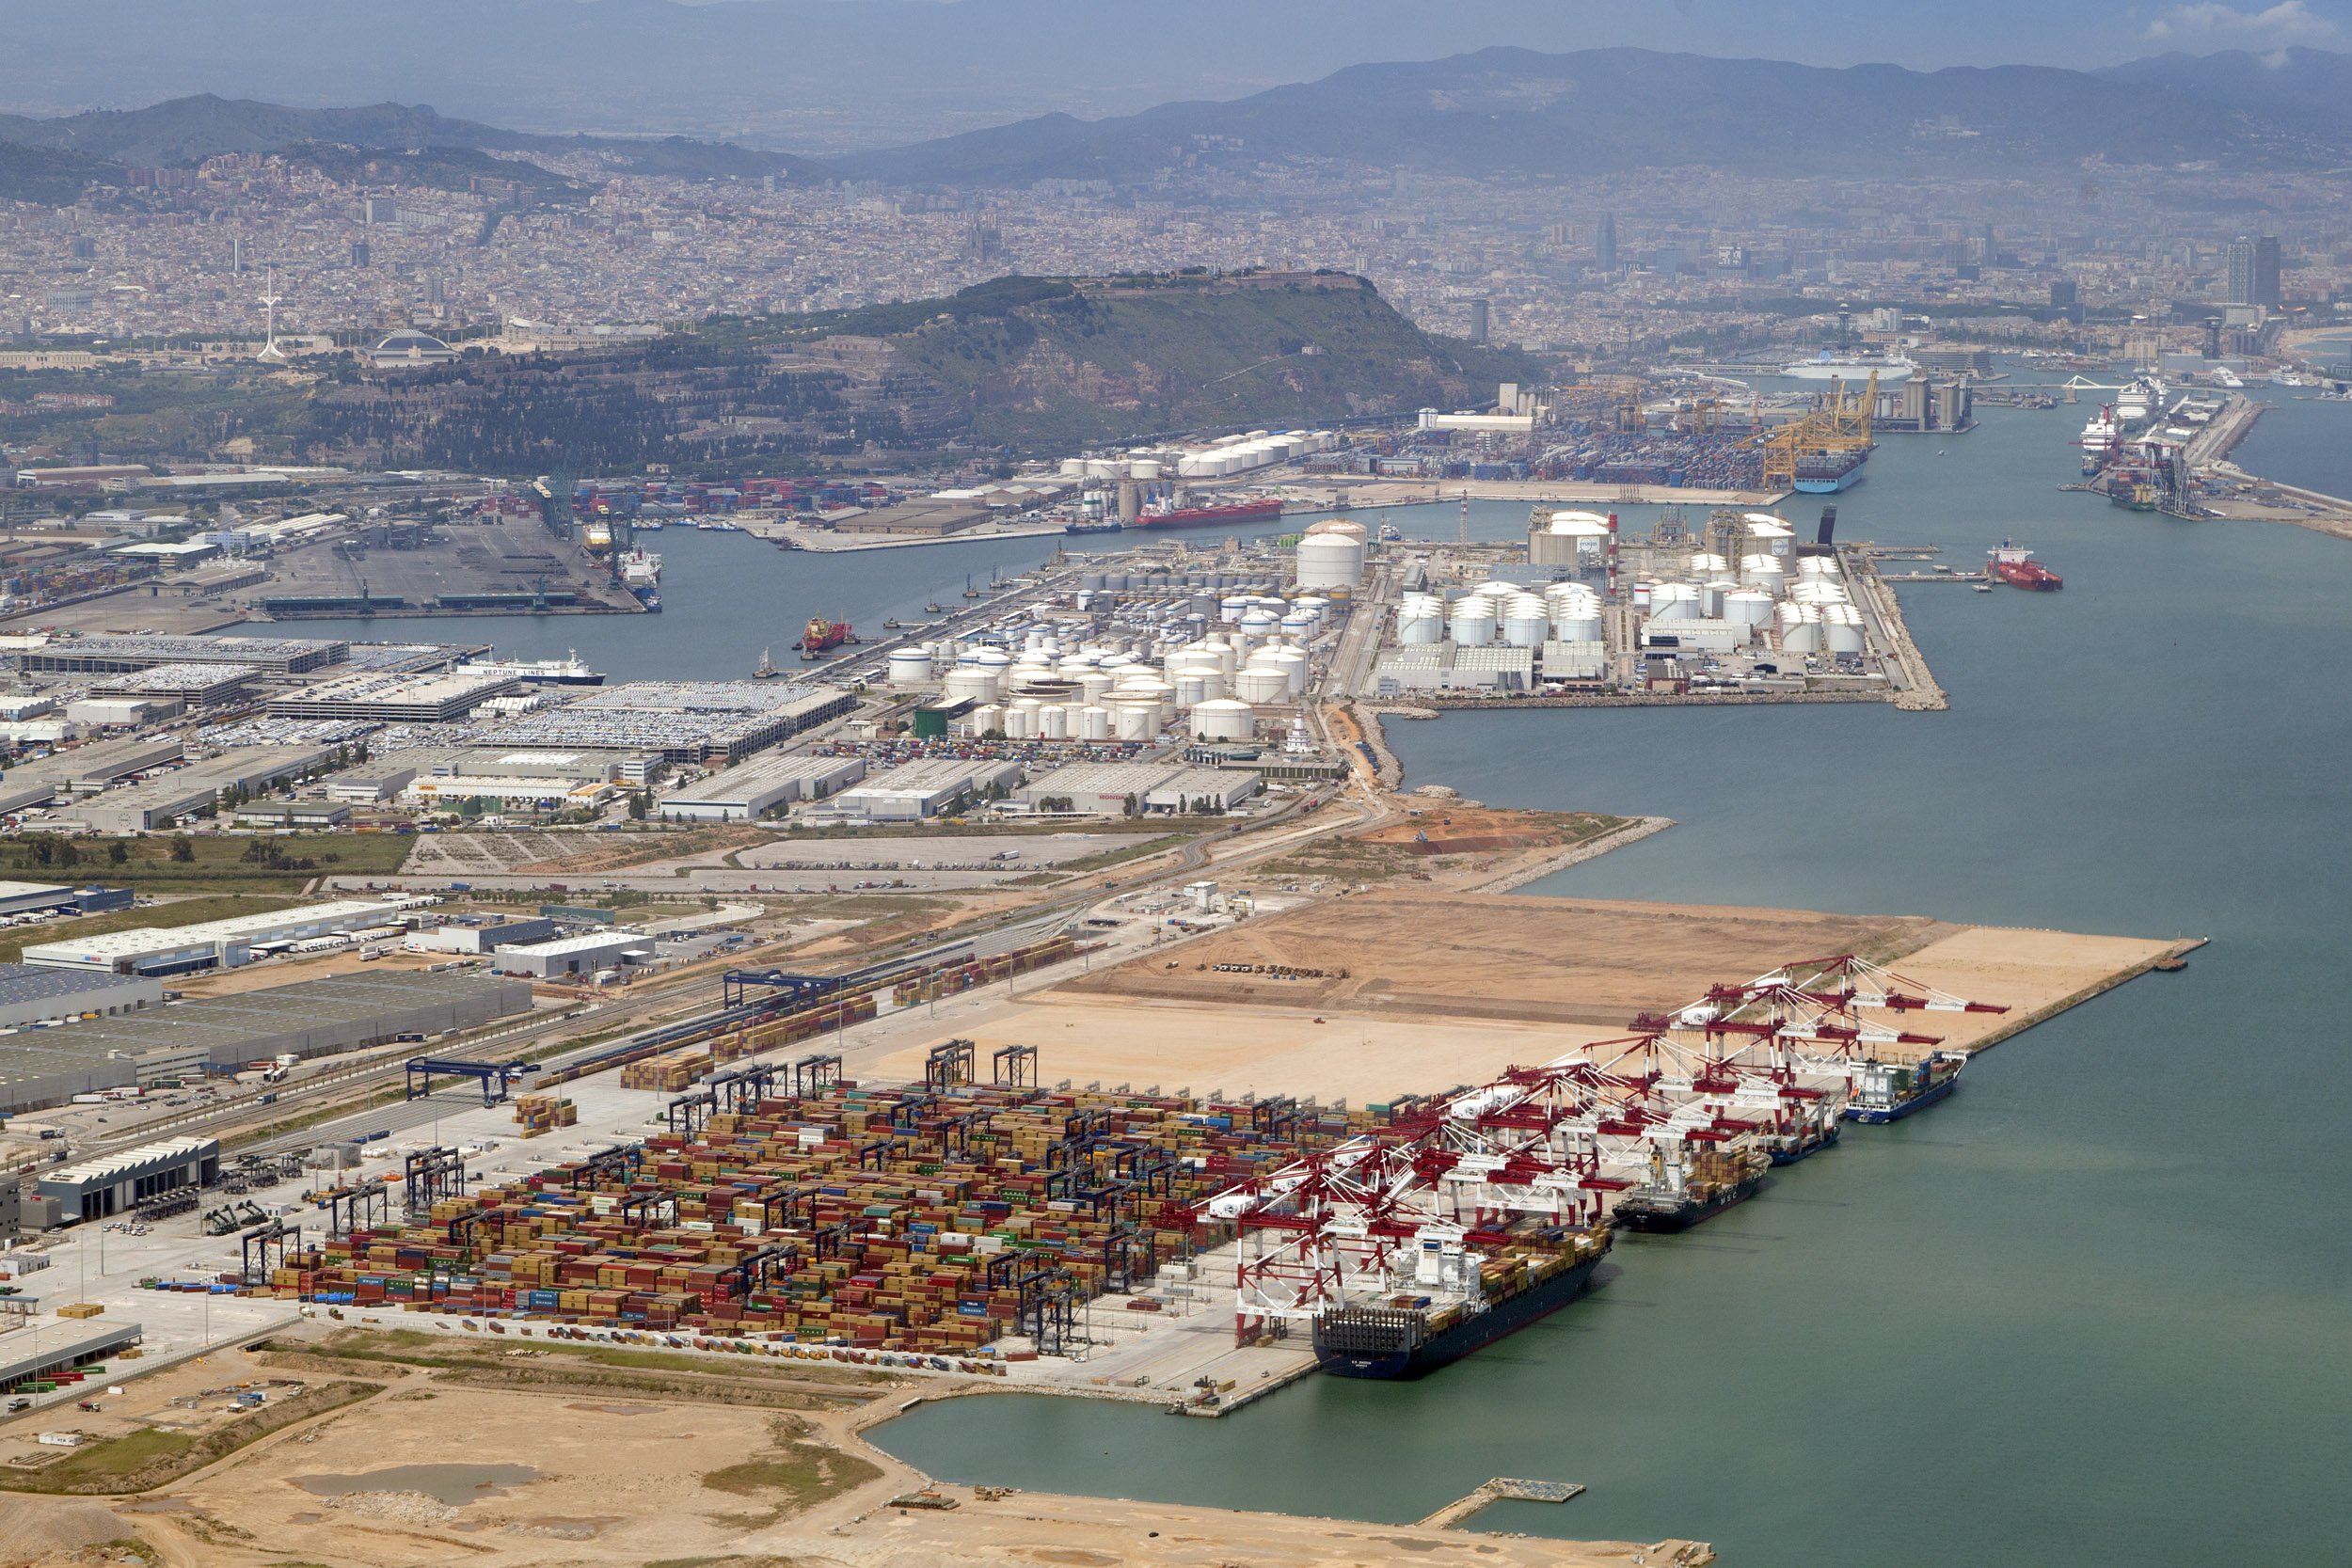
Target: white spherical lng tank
(1224, 719)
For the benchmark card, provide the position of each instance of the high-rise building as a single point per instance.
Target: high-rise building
(2064, 291)
(359, 254)
(1605, 244)
(2253, 269)
(1478, 321)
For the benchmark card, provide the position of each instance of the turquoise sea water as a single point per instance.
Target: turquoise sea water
(2097, 1307)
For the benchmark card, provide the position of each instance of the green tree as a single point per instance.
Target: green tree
(182, 848)
(639, 806)
(119, 853)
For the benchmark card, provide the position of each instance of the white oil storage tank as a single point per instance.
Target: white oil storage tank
(1841, 628)
(1224, 719)
(1525, 622)
(1259, 683)
(971, 683)
(1748, 607)
(1473, 624)
(910, 667)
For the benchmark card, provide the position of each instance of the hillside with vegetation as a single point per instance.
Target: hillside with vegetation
(1033, 364)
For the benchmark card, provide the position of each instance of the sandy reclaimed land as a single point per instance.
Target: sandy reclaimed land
(1236, 1049)
(623, 1481)
(1564, 960)
(1477, 993)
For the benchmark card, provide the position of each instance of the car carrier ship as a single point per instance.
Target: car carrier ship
(1473, 1300)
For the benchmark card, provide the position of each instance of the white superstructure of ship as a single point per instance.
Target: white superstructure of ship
(640, 568)
(1892, 369)
(567, 671)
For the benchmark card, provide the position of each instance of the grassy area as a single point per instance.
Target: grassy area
(1109, 858)
(147, 1459)
(153, 863)
(794, 1475)
(184, 912)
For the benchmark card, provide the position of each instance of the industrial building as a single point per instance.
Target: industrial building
(1132, 789)
(311, 1018)
(32, 993)
(394, 698)
(687, 721)
(756, 788)
(62, 1347)
(115, 1183)
(369, 784)
(108, 655)
(170, 796)
(921, 789)
(1446, 666)
(447, 791)
(574, 955)
(95, 767)
(28, 897)
(480, 939)
(212, 944)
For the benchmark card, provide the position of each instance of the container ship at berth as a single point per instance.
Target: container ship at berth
(1826, 473)
(1409, 1334)
(1678, 1197)
(1889, 1091)
(1164, 516)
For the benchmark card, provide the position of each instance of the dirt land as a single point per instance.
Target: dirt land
(617, 1480)
(1461, 987)
(1555, 960)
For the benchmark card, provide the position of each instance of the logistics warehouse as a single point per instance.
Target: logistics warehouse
(214, 944)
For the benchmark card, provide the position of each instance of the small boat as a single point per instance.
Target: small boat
(2171, 965)
(934, 609)
(767, 669)
(894, 623)
(970, 592)
(1982, 587)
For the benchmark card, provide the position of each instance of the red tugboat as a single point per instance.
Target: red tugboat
(1161, 515)
(2018, 568)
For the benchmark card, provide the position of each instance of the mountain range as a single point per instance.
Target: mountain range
(1509, 113)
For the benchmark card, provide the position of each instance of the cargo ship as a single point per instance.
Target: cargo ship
(1798, 1143)
(1677, 1197)
(2018, 568)
(567, 671)
(820, 637)
(1826, 473)
(1889, 1091)
(1163, 515)
(1408, 1335)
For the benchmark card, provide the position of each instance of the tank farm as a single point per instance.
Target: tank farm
(962, 1223)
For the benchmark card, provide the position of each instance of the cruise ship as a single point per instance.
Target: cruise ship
(1892, 369)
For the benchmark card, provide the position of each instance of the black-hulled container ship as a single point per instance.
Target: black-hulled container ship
(1407, 1336)
(1678, 1199)
(1889, 1091)
(1802, 1141)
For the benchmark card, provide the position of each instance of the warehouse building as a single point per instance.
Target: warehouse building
(95, 767)
(212, 944)
(1132, 789)
(116, 1183)
(369, 784)
(756, 788)
(34, 897)
(30, 993)
(61, 1348)
(394, 699)
(921, 789)
(480, 939)
(567, 956)
(311, 1018)
(1445, 667)
(119, 655)
(171, 797)
(196, 685)
(683, 722)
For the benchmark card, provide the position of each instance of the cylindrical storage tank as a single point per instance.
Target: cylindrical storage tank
(1841, 628)
(1262, 684)
(1420, 625)
(1330, 561)
(1578, 625)
(1761, 571)
(1102, 467)
(1473, 624)
(1144, 469)
(1748, 607)
(971, 684)
(1800, 629)
(1020, 723)
(1709, 566)
(1675, 601)
(1231, 608)
(909, 667)
(1526, 622)
(1290, 662)
(1095, 685)
(1299, 624)
(1817, 591)
(987, 717)
(1817, 566)
(1224, 719)
(1094, 723)
(1712, 600)
(1052, 723)
(1260, 625)
(1073, 468)
(1136, 721)
(1641, 593)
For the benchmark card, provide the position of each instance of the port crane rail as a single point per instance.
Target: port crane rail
(1403, 1207)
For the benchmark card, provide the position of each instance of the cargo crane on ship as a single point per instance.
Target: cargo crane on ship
(1823, 452)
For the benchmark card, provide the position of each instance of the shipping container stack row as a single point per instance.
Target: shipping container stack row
(952, 979)
(882, 1219)
(544, 1113)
